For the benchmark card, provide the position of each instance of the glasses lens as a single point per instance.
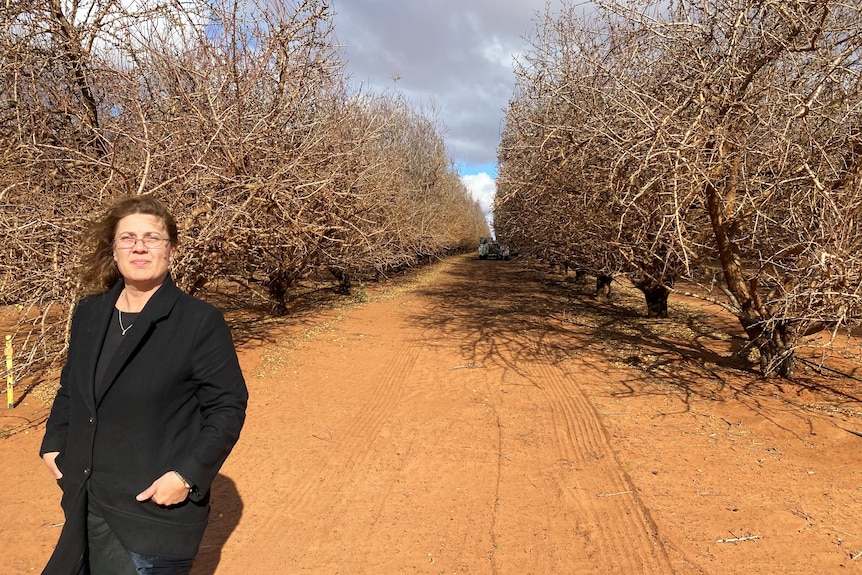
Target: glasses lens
(153, 241)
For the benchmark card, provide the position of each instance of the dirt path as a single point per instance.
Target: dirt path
(494, 420)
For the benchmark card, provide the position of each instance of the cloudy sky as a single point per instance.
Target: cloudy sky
(453, 55)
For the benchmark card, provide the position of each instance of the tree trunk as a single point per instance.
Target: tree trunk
(277, 286)
(656, 297)
(343, 278)
(603, 285)
(775, 345)
(580, 276)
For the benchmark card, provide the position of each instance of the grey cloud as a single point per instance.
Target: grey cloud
(439, 50)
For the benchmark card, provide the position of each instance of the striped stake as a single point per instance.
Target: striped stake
(9, 397)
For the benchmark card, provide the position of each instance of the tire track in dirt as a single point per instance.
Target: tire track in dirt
(624, 534)
(440, 488)
(593, 519)
(319, 494)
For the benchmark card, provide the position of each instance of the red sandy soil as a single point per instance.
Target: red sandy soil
(486, 417)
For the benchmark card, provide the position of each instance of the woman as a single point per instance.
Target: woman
(151, 402)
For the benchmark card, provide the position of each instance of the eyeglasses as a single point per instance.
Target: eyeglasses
(151, 242)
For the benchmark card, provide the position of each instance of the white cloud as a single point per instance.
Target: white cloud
(482, 188)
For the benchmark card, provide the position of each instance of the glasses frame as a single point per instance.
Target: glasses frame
(161, 242)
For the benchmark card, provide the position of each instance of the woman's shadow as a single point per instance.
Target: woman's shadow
(225, 513)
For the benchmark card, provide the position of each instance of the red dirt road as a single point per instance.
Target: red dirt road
(489, 419)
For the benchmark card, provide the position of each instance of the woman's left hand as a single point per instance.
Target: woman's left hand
(166, 490)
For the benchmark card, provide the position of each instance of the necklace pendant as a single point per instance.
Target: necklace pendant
(123, 330)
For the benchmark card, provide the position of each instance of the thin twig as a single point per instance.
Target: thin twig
(470, 365)
(613, 494)
(737, 539)
(328, 431)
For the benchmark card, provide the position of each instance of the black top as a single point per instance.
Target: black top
(113, 338)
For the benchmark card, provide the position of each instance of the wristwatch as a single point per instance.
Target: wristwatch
(185, 481)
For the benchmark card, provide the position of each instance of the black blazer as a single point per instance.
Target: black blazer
(174, 399)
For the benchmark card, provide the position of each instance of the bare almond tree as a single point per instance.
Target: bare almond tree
(723, 135)
(237, 114)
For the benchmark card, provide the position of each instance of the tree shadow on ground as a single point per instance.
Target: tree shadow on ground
(250, 315)
(538, 315)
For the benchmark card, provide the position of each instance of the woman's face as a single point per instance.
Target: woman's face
(141, 266)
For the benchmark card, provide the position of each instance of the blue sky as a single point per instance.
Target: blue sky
(452, 56)
(473, 169)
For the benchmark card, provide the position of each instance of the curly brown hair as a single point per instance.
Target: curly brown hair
(99, 271)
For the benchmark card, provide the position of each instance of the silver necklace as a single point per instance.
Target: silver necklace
(120, 317)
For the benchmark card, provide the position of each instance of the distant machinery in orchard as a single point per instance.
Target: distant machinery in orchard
(489, 248)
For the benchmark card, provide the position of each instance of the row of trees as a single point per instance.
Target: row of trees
(718, 141)
(238, 115)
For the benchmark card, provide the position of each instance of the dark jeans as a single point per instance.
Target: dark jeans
(109, 557)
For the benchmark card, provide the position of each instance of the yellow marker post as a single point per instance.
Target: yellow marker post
(10, 403)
